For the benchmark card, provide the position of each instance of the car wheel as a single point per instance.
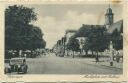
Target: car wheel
(25, 69)
(18, 70)
(5, 70)
(9, 70)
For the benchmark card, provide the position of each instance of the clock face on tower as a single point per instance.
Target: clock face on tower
(109, 19)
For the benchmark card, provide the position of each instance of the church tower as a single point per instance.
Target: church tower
(109, 17)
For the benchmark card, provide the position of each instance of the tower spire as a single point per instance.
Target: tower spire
(109, 5)
(109, 16)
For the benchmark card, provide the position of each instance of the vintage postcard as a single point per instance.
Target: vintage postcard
(63, 40)
(70, 82)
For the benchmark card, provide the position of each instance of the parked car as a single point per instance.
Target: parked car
(18, 65)
(7, 66)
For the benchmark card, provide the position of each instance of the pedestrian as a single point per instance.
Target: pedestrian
(118, 57)
(97, 59)
(111, 61)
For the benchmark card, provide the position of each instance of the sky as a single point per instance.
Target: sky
(55, 19)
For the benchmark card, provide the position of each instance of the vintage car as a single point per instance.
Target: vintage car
(18, 65)
(7, 66)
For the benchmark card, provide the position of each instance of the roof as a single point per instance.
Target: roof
(117, 25)
(109, 11)
(70, 31)
(17, 58)
(96, 26)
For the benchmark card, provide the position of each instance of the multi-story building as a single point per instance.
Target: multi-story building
(69, 33)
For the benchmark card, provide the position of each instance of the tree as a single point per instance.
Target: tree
(117, 40)
(97, 40)
(18, 15)
(86, 46)
(19, 33)
(83, 31)
(73, 44)
(35, 38)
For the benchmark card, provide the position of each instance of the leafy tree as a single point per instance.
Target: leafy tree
(117, 40)
(35, 38)
(16, 15)
(86, 46)
(83, 31)
(73, 44)
(97, 40)
(19, 33)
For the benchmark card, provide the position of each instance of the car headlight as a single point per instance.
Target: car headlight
(18, 66)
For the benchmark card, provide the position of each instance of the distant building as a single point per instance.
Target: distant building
(112, 26)
(69, 33)
(109, 22)
(117, 25)
(109, 18)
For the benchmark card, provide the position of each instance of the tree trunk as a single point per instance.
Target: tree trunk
(97, 57)
(18, 52)
(92, 53)
(86, 52)
(80, 53)
(73, 54)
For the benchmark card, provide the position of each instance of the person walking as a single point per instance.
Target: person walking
(118, 57)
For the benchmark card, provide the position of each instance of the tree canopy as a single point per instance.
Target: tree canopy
(73, 44)
(19, 33)
(117, 40)
(95, 38)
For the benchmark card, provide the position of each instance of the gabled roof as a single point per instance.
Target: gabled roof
(117, 25)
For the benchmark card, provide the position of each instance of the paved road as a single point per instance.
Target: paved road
(50, 64)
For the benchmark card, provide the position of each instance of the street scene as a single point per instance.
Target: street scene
(71, 82)
(63, 39)
(52, 64)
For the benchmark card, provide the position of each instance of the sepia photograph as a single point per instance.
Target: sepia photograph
(68, 82)
(63, 39)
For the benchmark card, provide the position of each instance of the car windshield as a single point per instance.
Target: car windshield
(16, 61)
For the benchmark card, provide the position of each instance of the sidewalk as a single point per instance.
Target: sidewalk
(115, 64)
(102, 62)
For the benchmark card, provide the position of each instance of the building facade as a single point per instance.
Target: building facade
(69, 33)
